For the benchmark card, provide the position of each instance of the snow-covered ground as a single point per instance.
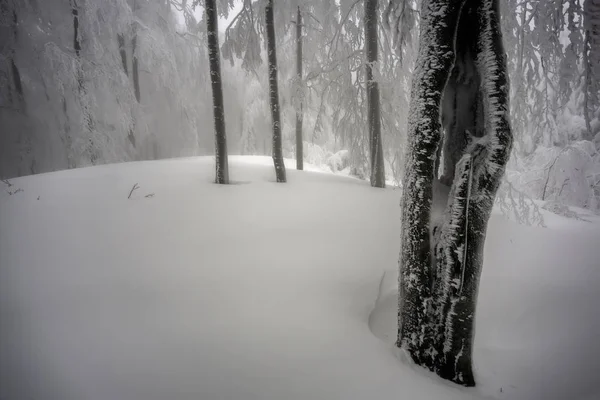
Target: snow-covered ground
(259, 290)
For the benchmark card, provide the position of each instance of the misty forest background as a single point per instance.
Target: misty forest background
(86, 82)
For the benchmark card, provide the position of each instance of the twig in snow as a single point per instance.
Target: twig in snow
(148, 196)
(136, 186)
(9, 185)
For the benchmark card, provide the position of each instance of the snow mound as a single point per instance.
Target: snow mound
(148, 281)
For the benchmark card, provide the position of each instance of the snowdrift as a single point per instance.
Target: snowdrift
(183, 289)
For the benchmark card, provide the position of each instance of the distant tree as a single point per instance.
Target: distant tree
(441, 261)
(135, 58)
(123, 52)
(222, 168)
(83, 94)
(274, 94)
(373, 110)
(299, 116)
(9, 10)
(592, 66)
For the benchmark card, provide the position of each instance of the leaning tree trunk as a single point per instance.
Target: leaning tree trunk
(373, 111)
(299, 144)
(440, 268)
(222, 169)
(274, 94)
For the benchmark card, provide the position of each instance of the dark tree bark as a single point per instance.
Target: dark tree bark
(222, 168)
(373, 110)
(432, 70)
(440, 268)
(299, 144)
(76, 38)
(274, 94)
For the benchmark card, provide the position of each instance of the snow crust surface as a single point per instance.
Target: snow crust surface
(259, 290)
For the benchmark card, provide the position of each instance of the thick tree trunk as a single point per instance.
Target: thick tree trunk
(432, 70)
(439, 272)
(373, 110)
(222, 168)
(299, 144)
(274, 94)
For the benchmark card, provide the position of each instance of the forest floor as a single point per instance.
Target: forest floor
(183, 289)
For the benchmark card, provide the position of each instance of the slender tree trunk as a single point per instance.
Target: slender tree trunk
(84, 101)
(135, 75)
(299, 143)
(222, 168)
(591, 57)
(439, 271)
(16, 75)
(76, 38)
(274, 94)
(123, 52)
(373, 110)
(587, 88)
(135, 70)
(134, 65)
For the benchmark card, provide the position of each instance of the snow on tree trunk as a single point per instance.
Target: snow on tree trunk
(274, 94)
(222, 169)
(439, 271)
(299, 144)
(373, 110)
(432, 69)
